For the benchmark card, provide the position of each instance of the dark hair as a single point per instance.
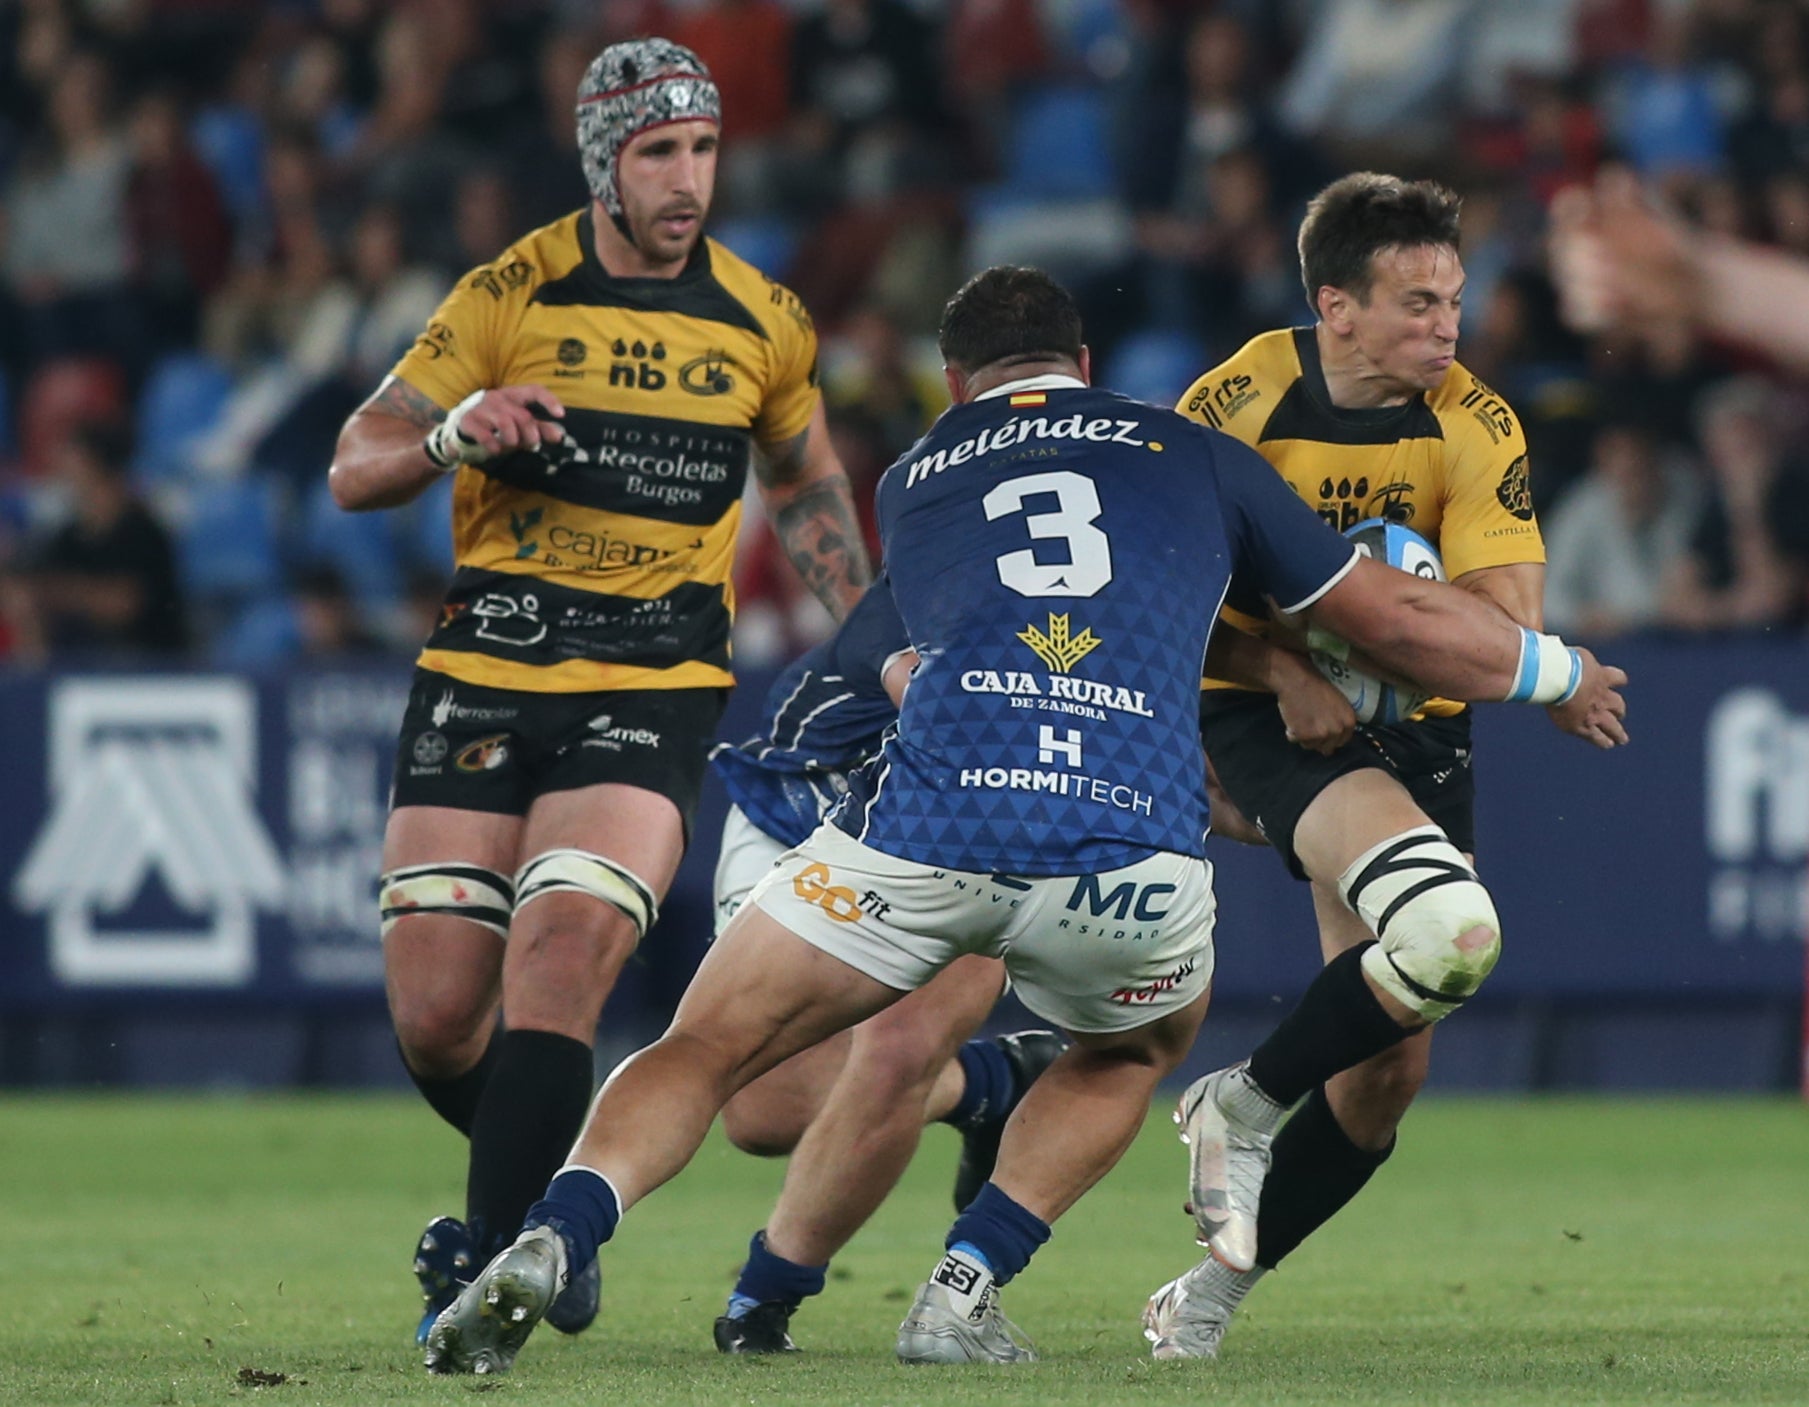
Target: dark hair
(107, 444)
(1358, 216)
(1009, 314)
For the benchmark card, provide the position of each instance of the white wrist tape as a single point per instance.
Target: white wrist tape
(1550, 671)
(448, 446)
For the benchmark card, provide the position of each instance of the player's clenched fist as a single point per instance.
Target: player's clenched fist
(488, 423)
(1596, 712)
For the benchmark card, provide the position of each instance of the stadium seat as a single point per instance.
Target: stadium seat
(231, 142)
(227, 545)
(261, 632)
(361, 546)
(181, 401)
(61, 395)
(425, 530)
(1058, 148)
(769, 245)
(1155, 366)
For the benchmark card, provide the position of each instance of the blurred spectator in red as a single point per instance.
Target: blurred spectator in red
(60, 396)
(106, 580)
(746, 44)
(991, 50)
(1740, 573)
(181, 240)
(1618, 535)
(67, 252)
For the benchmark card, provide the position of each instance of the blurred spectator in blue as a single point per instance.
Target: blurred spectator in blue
(106, 580)
(68, 256)
(328, 623)
(1744, 570)
(1618, 535)
(316, 94)
(181, 239)
(1664, 111)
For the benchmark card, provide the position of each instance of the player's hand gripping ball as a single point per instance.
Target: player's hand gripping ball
(1376, 700)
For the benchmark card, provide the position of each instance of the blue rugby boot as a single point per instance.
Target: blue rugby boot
(444, 1262)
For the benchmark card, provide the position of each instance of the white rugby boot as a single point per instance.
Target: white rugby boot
(956, 1319)
(484, 1328)
(1227, 1123)
(1188, 1316)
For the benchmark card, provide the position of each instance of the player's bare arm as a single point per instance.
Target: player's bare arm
(1519, 589)
(812, 507)
(1463, 647)
(400, 441)
(1316, 715)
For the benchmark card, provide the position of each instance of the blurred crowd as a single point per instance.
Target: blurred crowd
(220, 222)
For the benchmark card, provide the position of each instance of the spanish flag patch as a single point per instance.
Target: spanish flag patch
(1030, 398)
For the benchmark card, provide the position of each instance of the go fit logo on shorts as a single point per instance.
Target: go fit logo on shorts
(811, 884)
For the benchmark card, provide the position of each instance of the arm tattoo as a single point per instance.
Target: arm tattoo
(821, 534)
(395, 397)
(781, 463)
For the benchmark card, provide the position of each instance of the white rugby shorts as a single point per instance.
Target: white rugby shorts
(747, 854)
(1091, 953)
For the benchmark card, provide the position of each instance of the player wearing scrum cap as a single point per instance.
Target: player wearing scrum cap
(597, 393)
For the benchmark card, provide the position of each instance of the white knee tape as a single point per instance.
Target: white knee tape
(580, 872)
(1436, 928)
(457, 891)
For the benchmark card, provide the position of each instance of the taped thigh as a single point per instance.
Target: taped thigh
(1436, 928)
(580, 872)
(447, 888)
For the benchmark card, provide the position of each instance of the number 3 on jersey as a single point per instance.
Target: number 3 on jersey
(1089, 564)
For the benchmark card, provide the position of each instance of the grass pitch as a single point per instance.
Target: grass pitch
(165, 1251)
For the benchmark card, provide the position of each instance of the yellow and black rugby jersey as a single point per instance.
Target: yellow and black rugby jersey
(603, 562)
(1450, 463)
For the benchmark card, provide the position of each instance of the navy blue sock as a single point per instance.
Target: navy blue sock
(583, 1208)
(1005, 1234)
(989, 1085)
(767, 1277)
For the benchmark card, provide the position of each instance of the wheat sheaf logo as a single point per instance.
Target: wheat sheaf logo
(1058, 649)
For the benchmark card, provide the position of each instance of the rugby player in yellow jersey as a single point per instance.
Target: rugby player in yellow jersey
(598, 391)
(1366, 414)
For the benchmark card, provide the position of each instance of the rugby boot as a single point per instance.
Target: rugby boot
(1028, 1053)
(576, 1308)
(938, 1331)
(766, 1328)
(1227, 1123)
(1188, 1316)
(443, 1264)
(485, 1327)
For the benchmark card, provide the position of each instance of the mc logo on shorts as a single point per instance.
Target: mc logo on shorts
(837, 900)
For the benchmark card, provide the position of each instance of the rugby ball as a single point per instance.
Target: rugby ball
(1375, 700)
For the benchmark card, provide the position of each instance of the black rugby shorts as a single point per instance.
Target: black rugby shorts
(1273, 781)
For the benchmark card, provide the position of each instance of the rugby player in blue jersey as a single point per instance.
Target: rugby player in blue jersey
(851, 1109)
(1058, 555)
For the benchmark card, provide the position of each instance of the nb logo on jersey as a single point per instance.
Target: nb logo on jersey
(837, 900)
(639, 374)
(1344, 502)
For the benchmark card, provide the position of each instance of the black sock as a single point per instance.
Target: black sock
(1317, 1169)
(1336, 1024)
(455, 1099)
(527, 1120)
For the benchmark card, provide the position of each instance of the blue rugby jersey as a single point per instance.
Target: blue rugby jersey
(823, 716)
(1058, 555)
